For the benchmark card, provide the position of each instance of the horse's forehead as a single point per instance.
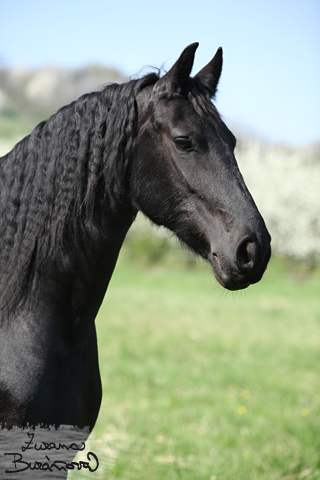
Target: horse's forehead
(177, 111)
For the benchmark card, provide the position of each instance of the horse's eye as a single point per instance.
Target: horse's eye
(183, 143)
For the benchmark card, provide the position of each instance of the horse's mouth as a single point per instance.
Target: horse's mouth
(230, 280)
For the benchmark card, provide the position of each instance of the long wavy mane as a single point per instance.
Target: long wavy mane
(55, 180)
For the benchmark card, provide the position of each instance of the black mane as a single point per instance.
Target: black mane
(68, 165)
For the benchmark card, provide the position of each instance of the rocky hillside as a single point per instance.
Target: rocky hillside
(28, 96)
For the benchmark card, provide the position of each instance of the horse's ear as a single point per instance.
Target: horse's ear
(210, 74)
(178, 76)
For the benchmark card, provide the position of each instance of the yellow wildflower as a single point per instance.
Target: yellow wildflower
(304, 412)
(245, 394)
(247, 453)
(242, 409)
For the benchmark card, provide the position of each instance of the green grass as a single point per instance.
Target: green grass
(203, 384)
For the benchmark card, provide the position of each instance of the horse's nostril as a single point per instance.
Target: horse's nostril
(246, 254)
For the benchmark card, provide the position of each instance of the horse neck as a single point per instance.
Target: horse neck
(94, 264)
(67, 292)
(68, 248)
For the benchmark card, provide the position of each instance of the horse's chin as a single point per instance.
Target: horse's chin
(231, 279)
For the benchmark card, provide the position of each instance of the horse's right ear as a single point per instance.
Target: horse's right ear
(210, 74)
(177, 78)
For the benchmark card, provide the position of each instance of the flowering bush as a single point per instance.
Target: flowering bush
(285, 183)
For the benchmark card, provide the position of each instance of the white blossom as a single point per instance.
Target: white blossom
(285, 184)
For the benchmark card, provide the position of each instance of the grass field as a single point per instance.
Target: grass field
(203, 384)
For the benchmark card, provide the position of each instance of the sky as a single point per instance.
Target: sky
(270, 83)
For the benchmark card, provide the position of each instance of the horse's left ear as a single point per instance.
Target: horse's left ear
(177, 78)
(210, 74)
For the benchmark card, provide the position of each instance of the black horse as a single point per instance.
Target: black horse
(70, 191)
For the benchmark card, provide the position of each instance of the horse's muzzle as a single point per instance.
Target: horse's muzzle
(247, 266)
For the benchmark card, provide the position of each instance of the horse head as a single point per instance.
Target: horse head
(186, 176)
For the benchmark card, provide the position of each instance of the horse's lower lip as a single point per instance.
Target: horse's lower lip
(226, 280)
